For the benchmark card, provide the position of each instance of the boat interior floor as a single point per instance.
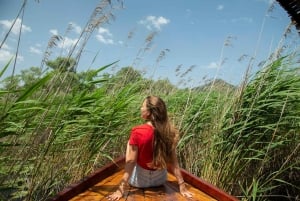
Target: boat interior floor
(167, 192)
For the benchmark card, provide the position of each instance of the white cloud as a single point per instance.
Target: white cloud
(104, 40)
(75, 27)
(5, 55)
(35, 50)
(104, 36)
(20, 58)
(220, 7)
(154, 22)
(6, 24)
(64, 43)
(67, 43)
(213, 65)
(4, 46)
(54, 31)
(104, 31)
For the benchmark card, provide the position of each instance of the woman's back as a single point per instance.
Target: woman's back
(142, 136)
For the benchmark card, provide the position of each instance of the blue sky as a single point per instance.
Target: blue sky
(200, 39)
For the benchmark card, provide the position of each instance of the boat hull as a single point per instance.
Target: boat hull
(105, 180)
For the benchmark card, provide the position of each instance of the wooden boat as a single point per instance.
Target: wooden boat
(105, 181)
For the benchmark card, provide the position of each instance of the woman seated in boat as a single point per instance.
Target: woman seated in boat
(150, 149)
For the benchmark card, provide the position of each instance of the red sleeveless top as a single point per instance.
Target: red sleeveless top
(142, 136)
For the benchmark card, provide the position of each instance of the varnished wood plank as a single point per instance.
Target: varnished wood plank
(154, 194)
(163, 192)
(206, 187)
(90, 180)
(103, 188)
(167, 192)
(197, 194)
(106, 180)
(134, 194)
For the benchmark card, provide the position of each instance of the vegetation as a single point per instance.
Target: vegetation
(58, 125)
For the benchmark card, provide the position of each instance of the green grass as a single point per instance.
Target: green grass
(245, 143)
(60, 126)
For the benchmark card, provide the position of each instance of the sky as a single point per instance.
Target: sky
(194, 41)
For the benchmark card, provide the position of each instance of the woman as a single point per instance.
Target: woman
(150, 149)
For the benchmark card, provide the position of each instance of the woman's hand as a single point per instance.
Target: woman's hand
(131, 157)
(118, 193)
(115, 196)
(184, 191)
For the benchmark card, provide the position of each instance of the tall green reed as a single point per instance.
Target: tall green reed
(260, 135)
(66, 124)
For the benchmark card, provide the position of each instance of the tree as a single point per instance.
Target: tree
(128, 75)
(64, 68)
(163, 86)
(63, 64)
(11, 82)
(30, 76)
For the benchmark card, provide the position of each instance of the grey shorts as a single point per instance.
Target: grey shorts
(143, 178)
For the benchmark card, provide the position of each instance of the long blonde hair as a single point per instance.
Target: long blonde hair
(165, 134)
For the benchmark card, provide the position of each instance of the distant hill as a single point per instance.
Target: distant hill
(217, 85)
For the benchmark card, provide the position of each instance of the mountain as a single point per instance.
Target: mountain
(216, 85)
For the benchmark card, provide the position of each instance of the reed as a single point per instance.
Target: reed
(64, 124)
(260, 135)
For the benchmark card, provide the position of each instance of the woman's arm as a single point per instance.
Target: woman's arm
(131, 158)
(174, 165)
